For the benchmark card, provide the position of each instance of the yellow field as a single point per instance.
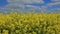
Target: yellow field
(30, 23)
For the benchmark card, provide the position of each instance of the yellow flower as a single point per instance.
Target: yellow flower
(30, 21)
(34, 32)
(17, 31)
(5, 31)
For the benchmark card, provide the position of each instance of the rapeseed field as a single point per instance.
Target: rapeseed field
(29, 23)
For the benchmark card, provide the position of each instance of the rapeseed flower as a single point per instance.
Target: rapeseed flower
(29, 23)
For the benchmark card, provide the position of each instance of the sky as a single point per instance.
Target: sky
(28, 5)
(5, 2)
